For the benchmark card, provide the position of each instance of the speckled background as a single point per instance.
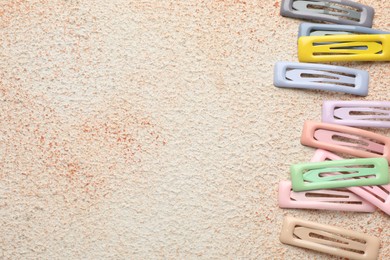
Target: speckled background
(151, 129)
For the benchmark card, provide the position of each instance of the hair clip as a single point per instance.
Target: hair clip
(378, 196)
(367, 47)
(317, 29)
(357, 113)
(339, 174)
(329, 199)
(320, 76)
(329, 239)
(334, 11)
(345, 139)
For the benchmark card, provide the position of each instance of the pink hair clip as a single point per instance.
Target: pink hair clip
(328, 199)
(376, 195)
(344, 139)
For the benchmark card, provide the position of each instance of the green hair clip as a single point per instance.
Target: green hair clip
(339, 174)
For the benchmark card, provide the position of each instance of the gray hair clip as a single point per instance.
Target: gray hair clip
(334, 11)
(322, 77)
(317, 29)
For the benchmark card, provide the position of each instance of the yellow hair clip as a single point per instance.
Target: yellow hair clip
(373, 47)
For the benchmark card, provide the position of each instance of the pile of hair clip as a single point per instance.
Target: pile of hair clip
(329, 182)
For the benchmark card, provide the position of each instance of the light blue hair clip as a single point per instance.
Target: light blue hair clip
(322, 77)
(317, 29)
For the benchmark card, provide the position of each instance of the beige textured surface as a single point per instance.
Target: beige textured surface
(151, 129)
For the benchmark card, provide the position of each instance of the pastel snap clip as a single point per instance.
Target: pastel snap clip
(368, 47)
(378, 196)
(317, 29)
(334, 11)
(329, 199)
(339, 174)
(345, 139)
(357, 113)
(322, 77)
(329, 239)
